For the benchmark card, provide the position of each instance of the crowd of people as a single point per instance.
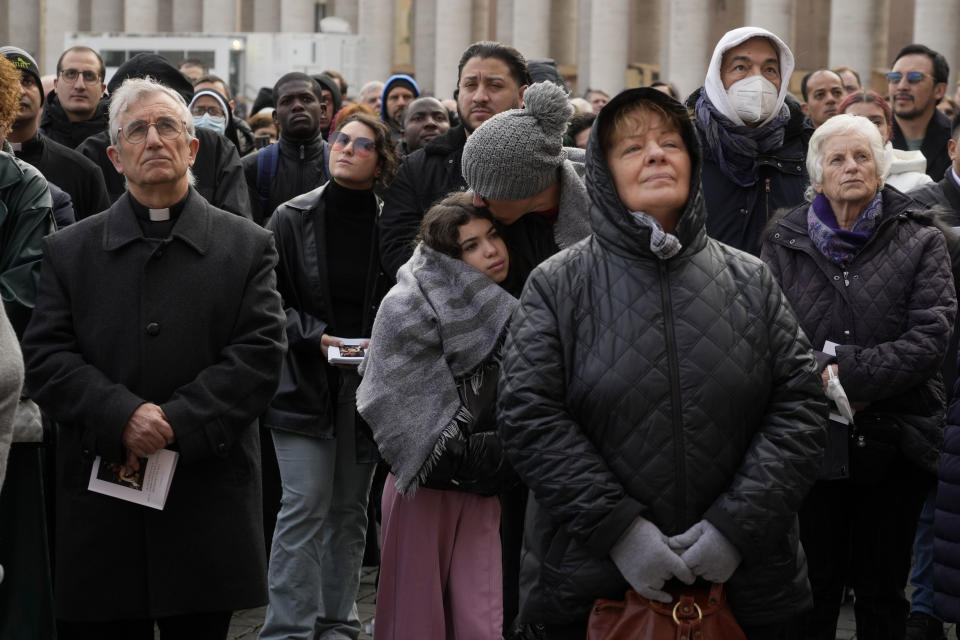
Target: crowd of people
(520, 349)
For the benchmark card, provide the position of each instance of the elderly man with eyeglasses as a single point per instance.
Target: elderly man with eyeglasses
(917, 83)
(77, 107)
(157, 326)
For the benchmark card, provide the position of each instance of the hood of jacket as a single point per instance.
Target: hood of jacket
(609, 217)
(713, 85)
(392, 80)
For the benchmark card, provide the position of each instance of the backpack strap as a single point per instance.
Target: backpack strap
(267, 160)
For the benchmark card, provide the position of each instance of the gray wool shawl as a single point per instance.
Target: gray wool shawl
(435, 327)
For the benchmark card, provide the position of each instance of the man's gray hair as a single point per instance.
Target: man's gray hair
(134, 89)
(840, 125)
(373, 85)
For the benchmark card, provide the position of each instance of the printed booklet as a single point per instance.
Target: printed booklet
(350, 352)
(147, 486)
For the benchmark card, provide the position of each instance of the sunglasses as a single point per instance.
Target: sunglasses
(361, 146)
(913, 77)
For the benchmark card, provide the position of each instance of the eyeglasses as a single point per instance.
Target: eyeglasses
(913, 77)
(361, 146)
(214, 111)
(71, 75)
(168, 128)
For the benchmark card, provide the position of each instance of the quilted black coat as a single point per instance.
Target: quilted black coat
(675, 389)
(891, 311)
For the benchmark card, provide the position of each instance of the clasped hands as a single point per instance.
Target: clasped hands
(146, 432)
(647, 558)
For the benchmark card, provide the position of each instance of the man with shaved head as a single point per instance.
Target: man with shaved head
(425, 119)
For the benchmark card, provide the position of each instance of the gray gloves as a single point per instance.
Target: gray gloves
(706, 552)
(646, 561)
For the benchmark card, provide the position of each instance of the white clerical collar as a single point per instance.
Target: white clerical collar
(17, 146)
(159, 215)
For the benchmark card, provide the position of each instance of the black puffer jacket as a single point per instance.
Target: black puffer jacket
(426, 175)
(676, 389)
(890, 311)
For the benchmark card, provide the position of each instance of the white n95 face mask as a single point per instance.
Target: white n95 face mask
(753, 98)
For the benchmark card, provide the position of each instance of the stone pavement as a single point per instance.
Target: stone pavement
(246, 624)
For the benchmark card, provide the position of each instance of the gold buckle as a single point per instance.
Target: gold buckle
(695, 606)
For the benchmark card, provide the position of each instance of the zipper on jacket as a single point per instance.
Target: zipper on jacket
(302, 156)
(766, 196)
(671, 347)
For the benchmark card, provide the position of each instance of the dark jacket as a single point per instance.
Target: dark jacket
(944, 198)
(946, 524)
(217, 170)
(737, 215)
(426, 175)
(194, 324)
(55, 125)
(676, 390)
(301, 167)
(934, 146)
(306, 399)
(244, 136)
(63, 212)
(69, 170)
(26, 216)
(891, 311)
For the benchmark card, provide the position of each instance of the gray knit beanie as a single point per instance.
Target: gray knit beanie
(516, 154)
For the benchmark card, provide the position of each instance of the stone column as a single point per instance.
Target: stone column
(851, 36)
(563, 32)
(187, 16)
(20, 27)
(526, 25)
(604, 44)
(375, 26)
(59, 17)
(773, 15)
(685, 46)
(266, 15)
(936, 24)
(140, 16)
(220, 16)
(453, 35)
(297, 16)
(423, 40)
(106, 15)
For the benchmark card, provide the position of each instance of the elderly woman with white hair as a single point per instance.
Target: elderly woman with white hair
(869, 279)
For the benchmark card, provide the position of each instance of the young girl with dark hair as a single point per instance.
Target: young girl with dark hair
(429, 393)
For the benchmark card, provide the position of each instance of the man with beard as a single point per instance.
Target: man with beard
(917, 83)
(425, 119)
(64, 167)
(491, 79)
(298, 161)
(77, 108)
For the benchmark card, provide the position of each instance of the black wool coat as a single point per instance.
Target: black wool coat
(69, 170)
(194, 324)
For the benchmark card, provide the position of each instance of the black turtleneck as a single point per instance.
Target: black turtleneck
(350, 217)
(157, 229)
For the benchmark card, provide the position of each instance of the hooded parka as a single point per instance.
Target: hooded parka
(674, 389)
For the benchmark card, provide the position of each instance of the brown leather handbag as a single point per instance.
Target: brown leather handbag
(696, 613)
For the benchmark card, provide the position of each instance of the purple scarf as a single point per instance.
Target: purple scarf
(840, 246)
(734, 148)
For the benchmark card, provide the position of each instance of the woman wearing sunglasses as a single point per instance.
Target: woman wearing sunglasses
(330, 279)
